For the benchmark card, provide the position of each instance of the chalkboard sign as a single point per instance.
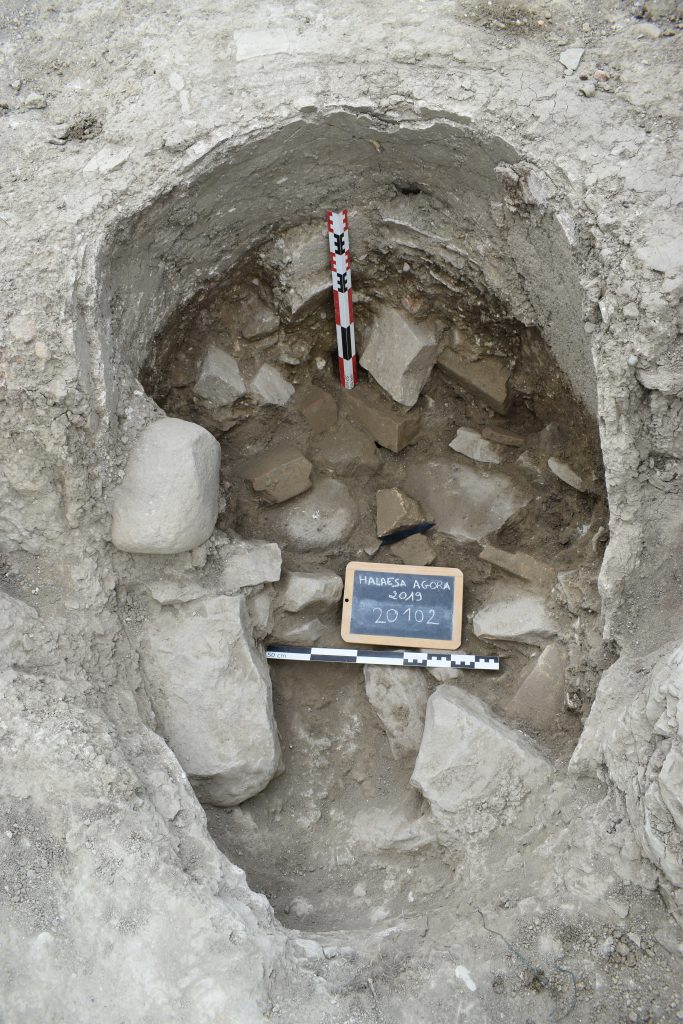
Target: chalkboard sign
(411, 605)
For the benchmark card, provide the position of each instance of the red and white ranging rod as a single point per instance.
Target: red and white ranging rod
(340, 265)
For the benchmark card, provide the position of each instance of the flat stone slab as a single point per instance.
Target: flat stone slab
(520, 564)
(466, 503)
(539, 701)
(399, 696)
(512, 613)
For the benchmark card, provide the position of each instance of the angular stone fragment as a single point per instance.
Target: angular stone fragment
(247, 563)
(471, 444)
(318, 408)
(220, 381)
(487, 378)
(394, 510)
(400, 354)
(346, 449)
(519, 564)
(467, 756)
(311, 589)
(269, 387)
(297, 630)
(279, 473)
(415, 550)
(305, 276)
(324, 517)
(465, 503)
(399, 696)
(506, 437)
(211, 693)
(567, 475)
(391, 428)
(571, 57)
(168, 501)
(540, 697)
(514, 614)
(254, 318)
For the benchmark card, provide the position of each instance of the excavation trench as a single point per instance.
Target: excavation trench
(459, 236)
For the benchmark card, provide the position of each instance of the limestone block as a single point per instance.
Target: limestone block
(210, 689)
(220, 381)
(168, 501)
(399, 696)
(519, 564)
(278, 474)
(415, 550)
(567, 475)
(515, 614)
(472, 445)
(487, 378)
(390, 427)
(311, 589)
(269, 387)
(321, 519)
(247, 563)
(399, 354)
(318, 408)
(468, 756)
(540, 697)
(394, 510)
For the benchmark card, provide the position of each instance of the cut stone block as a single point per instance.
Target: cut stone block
(540, 697)
(220, 381)
(318, 408)
(415, 550)
(400, 354)
(506, 437)
(567, 475)
(467, 757)
(247, 563)
(269, 387)
(471, 444)
(515, 614)
(168, 501)
(519, 564)
(279, 473)
(394, 510)
(487, 378)
(390, 427)
(399, 696)
(466, 503)
(210, 689)
(310, 589)
(321, 519)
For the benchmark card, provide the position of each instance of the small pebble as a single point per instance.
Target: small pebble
(587, 89)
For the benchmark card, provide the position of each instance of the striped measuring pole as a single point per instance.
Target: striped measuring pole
(340, 265)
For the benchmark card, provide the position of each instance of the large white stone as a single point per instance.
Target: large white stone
(310, 589)
(168, 501)
(210, 690)
(468, 756)
(399, 696)
(220, 381)
(512, 613)
(400, 354)
(466, 503)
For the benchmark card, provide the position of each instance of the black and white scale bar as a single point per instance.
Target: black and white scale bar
(420, 659)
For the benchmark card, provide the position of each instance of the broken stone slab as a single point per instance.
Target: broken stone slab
(318, 407)
(399, 696)
(278, 474)
(346, 450)
(168, 500)
(415, 550)
(519, 564)
(466, 503)
(487, 378)
(394, 510)
(391, 428)
(211, 694)
(472, 445)
(399, 354)
(220, 381)
(321, 519)
(571, 57)
(468, 757)
(539, 701)
(514, 614)
(568, 476)
(269, 387)
(506, 437)
(246, 563)
(310, 589)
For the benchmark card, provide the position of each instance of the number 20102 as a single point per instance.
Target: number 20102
(385, 618)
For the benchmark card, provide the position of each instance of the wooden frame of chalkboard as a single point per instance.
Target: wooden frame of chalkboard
(414, 605)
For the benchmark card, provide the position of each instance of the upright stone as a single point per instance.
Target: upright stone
(389, 427)
(400, 354)
(487, 378)
(399, 696)
(220, 381)
(168, 501)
